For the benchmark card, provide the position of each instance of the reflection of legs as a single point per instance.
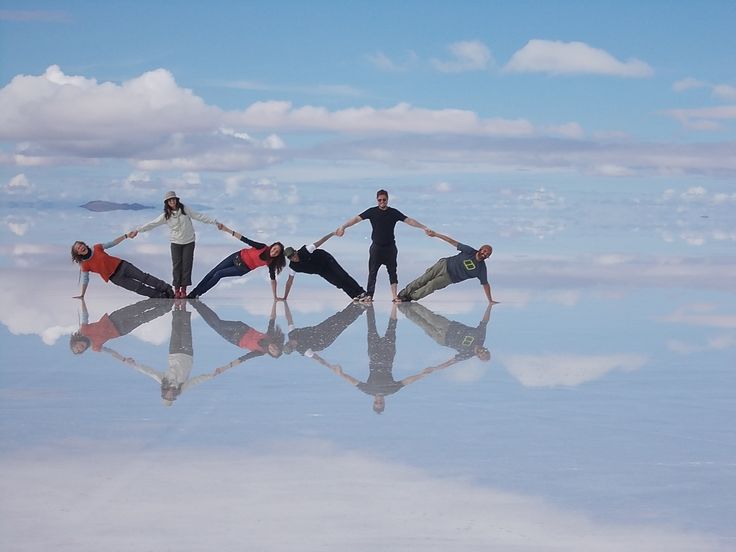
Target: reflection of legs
(134, 279)
(434, 278)
(338, 277)
(230, 330)
(181, 333)
(434, 325)
(226, 269)
(129, 318)
(326, 332)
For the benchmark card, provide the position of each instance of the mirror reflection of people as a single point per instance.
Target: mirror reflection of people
(115, 270)
(181, 234)
(381, 353)
(309, 259)
(383, 250)
(468, 341)
(469, 263)
(243, 261)
(176, 379)
(244, 336)
(308, 340)
(118, 323)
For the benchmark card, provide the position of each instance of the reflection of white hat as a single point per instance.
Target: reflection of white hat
(167, 402)
(170, 195)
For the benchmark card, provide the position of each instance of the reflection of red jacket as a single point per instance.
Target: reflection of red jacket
(250, 256)
(250, 339)
(100, 332)
(101, 263)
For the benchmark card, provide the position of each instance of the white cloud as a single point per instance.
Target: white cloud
(470, 55)
(702, 315)
(688, 83)
(559, 369)
(274, 499)
(566, 58)
(384, 63)
(19, 184)
(18, 225)
(725, 92)
(442, 187)
(703, 118)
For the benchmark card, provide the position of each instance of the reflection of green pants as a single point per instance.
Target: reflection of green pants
(434, 325)
(436, 277)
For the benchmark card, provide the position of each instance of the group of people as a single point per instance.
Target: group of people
(308, 259)
(308, 341)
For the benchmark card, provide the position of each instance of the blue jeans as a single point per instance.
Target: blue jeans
(226, 269)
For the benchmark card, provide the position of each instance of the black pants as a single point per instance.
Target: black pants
(381, 255)
(331, 271)
(129, 318)
(182, 259)
(132, 278)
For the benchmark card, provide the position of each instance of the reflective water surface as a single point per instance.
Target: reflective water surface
(591, 409)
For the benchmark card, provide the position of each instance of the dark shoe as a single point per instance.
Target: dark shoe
(359, 298)
(191, 295)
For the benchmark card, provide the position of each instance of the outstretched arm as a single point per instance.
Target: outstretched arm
(448, 239)
(487, 289)
(336, 368)
(341, 229)
(287, 289)
(416, 224)
(323, 239)
(424, 373)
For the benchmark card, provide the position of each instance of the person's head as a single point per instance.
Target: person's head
(382, 199)
(79, 343)
(291, 254)
(482, 353)
(274, 256)
(171, 204)
(170, 390)
(273, 341)
(80, 251)
(484, 252)
(379, 403)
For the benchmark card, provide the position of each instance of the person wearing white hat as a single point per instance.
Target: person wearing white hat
(181, 233)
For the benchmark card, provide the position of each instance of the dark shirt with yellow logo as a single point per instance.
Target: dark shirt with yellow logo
(464, 265)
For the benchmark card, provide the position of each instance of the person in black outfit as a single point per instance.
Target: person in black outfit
(311, 339)
(383, 249)
(381, 353)
(311, 260)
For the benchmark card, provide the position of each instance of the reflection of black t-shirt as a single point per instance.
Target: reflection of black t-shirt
(464, 338)
(311, 263)
(383, 222)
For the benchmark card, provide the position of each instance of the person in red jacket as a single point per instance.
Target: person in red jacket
(243, 261)
(115, 270)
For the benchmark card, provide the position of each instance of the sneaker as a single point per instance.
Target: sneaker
(367, 299)
(360, 297)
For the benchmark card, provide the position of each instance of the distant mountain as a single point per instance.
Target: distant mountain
(99, 206)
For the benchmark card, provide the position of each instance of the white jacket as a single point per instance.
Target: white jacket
(181, 229)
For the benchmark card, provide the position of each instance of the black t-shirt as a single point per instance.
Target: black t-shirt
(383, 222)
(314, 262)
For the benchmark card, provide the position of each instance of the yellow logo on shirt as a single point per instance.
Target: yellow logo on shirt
(469, 264)
(468, 340)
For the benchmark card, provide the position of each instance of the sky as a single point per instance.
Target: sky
(122, 100)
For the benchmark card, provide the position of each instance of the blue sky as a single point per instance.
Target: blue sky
(148, 94)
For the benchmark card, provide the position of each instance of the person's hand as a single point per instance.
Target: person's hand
(132, 234)
(431, 233)
(340, 232)
(219, 225)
